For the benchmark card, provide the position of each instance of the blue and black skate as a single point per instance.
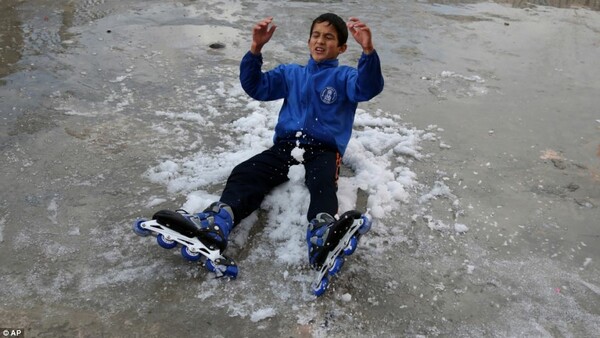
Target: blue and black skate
(330, 240)
(200, 235)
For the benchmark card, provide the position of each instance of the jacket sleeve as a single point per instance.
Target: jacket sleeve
(262, 86)
(367, 81)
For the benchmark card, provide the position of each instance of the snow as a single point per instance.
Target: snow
(379, 160)
(298, 153)
(2, 225)
(460, 228)
(379, 153)
(439, 190)
(154, 201)
(262, 314)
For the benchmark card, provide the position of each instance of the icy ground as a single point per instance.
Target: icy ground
(480, 160)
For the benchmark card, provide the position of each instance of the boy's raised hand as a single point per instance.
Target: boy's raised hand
(361, 33)
(261, 34)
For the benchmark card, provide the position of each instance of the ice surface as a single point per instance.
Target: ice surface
(102, 128)
(380, 156)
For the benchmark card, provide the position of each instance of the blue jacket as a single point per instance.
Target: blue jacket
(320, 99)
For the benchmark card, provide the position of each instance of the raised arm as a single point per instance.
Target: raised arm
(261, 86)
(369, 80)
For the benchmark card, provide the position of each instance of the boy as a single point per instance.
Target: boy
(320, 100)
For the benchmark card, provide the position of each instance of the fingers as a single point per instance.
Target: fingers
(361, 33)
(355, 24)
(263, 25)
(261, 34)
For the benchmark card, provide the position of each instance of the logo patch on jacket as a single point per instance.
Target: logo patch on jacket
(328, 95)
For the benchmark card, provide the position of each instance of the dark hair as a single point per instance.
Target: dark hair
(338, 23)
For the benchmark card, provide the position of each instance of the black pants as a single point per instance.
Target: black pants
(252, 180)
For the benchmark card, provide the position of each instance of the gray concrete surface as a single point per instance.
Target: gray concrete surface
(508, 95)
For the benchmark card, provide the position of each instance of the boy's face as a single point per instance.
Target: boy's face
(323, 42)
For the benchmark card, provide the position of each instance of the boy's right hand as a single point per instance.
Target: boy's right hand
(261, 34)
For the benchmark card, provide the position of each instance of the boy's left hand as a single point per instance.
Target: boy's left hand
(361, 33)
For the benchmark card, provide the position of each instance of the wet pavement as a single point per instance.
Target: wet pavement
(499, 237)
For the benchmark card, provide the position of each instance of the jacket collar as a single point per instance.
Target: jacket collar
(315, 66)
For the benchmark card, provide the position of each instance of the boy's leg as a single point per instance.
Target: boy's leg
(252, 180)
(246, 187)
(322, 172)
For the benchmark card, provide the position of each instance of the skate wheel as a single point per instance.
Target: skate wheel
(349, 250)
(190, 256)
(165, 243)
(321, 288)
(337, 266)
(366, 226)
(231, 271)
(210, 266)
(137, 228)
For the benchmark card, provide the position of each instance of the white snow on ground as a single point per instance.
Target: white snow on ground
(2, 225)
(380, 154)
(261, 314)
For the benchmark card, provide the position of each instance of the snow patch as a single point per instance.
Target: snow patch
(262, 314)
